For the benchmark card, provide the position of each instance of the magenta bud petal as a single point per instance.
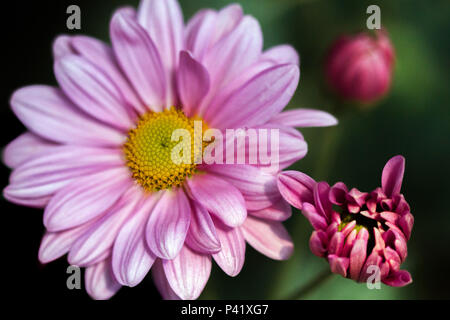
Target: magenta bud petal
(338, 264)
(296, 187)
(392, 258)
(379, 241)
(358, 254)
(402, 207)
(336, 244)
(386, 204)
(332, 229)
(357, 197)
(397, 241)
(389, 216)
(406, 224)
(348, 228)
(349, 243)
(318, 243)
(392, 176)
(338, 193)
(321, 195)
(317, 221)
(400, 278)
(371, 267)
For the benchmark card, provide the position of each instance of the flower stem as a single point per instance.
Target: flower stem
(311, 285)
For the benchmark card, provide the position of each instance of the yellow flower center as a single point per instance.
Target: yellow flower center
(149, 150)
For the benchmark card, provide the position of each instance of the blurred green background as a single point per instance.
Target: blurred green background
(413, 120)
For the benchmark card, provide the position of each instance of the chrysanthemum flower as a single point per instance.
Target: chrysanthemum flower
(97, 155)
(360, 234)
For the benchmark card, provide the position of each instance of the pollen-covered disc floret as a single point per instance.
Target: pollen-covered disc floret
(148, 150)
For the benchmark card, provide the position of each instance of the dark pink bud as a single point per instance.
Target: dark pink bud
(360, 67)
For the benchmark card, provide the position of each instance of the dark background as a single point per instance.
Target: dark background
(413, 120)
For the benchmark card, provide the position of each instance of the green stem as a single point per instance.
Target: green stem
(311, 285)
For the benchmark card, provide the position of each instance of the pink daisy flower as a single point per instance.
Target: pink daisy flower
(362, 235)
(97, 154)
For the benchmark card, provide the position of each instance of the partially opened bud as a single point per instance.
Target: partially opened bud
(360, 234)
(359, 67)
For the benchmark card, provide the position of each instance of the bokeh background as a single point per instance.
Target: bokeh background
(413, 120)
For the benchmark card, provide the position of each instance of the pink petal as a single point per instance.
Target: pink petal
(318, 243)
(164, 22)
(258, 188)
(321, 199)
(314, 217)
(292, 147)
(338, 192)
(56, 244)
(86, 198)
(232, 255)
(192, 83)
(62, 46)
(198, 32)
(159, 277)
(131, 259)
(392, 177)
(336, 244)
(268, 237)
(168, 224)
(99, 281)
(399, 279)
(137, 55)
(92, 91)
(256, 101)
(199, 35)
(102, 56)
(338, 264)
(47, 112)
(406, 224)
(302, 118)
(35, 202)
(100, 237)
(188, 273)
(202, 235)
(39, 178)
(219, 197)
(246, 75)
(373, 260)
(279, 211)
(296, 187)
(277, 147)
(358, 254)
(233, 53)
(25, 147)
(348, 246)
(228, 18)
(282, 54)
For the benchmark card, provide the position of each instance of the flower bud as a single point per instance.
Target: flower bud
(358, 233)
(359, 68)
